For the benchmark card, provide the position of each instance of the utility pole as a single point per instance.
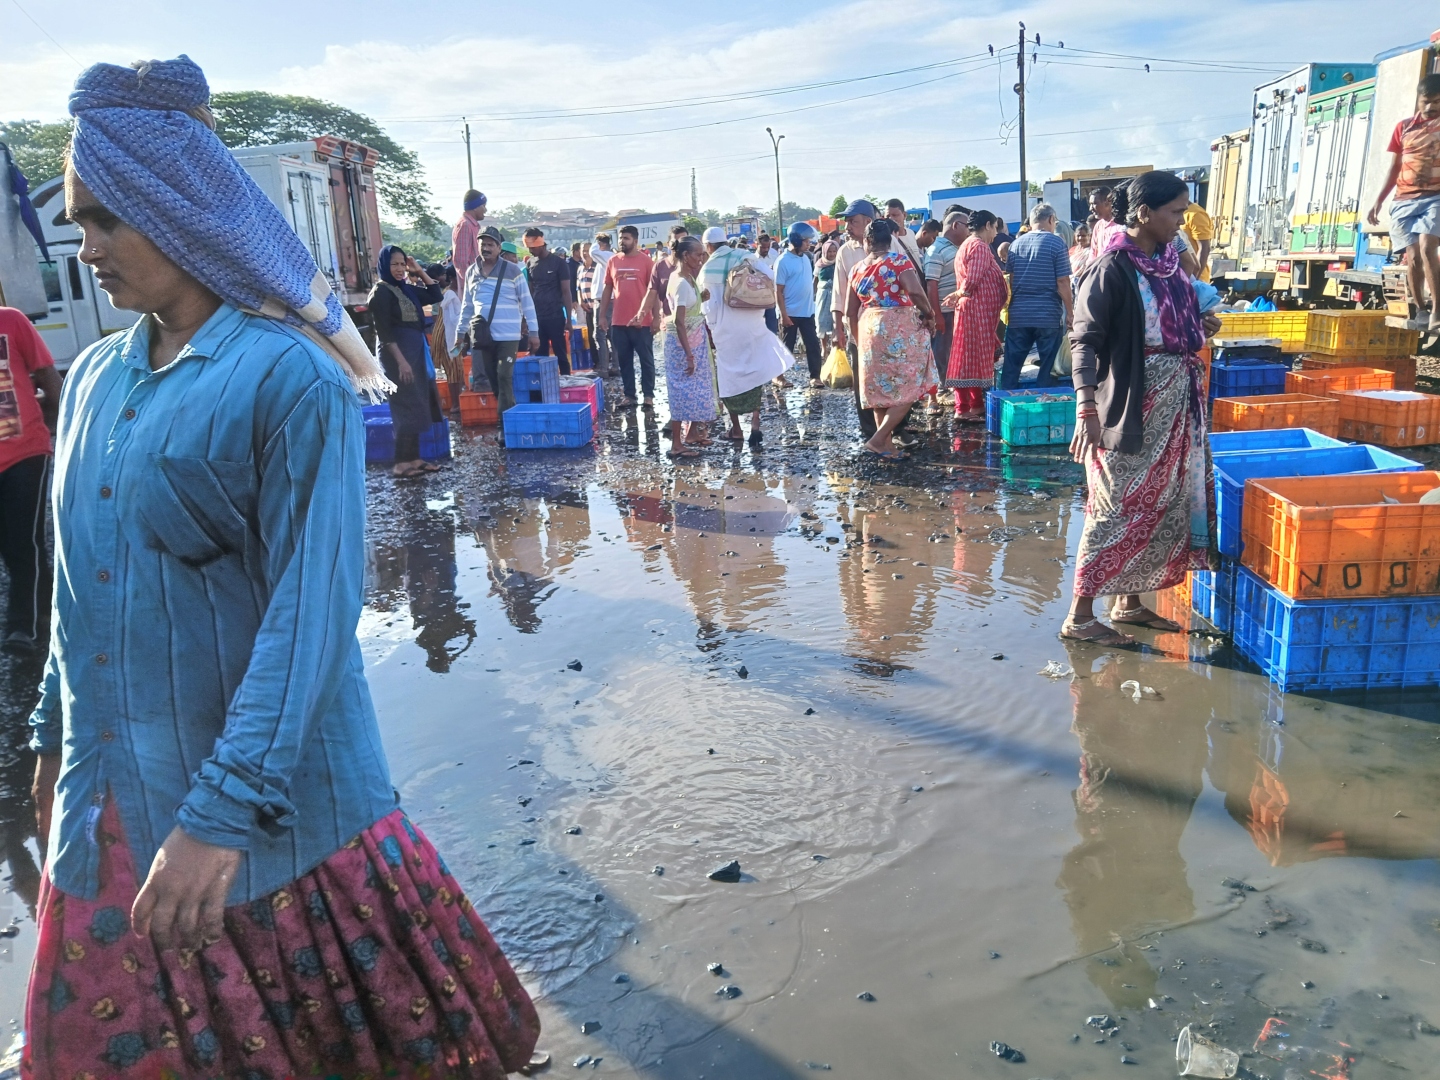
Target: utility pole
(779, 206)
(694, 200)
(469, 165)
(1020, 90)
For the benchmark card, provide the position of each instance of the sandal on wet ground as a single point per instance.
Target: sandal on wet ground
(756, 438)
(886, 455)
(733, 436)
(625, 403)
(686, 453)
(1106, 636)
(1143, 616)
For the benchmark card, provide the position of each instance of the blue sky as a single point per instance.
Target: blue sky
(419, 67)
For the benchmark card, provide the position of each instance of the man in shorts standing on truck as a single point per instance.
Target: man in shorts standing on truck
(1415, 214)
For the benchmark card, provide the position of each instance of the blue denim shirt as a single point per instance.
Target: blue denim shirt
(204, 669)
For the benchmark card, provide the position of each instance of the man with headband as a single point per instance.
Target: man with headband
(465, 239)
(210, 774)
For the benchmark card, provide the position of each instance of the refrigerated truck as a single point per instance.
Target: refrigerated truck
(1277, 135)
(1397, 74)
(1002, 200)
(1070, 192)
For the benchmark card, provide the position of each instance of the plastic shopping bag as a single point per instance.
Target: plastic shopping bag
(836, 373)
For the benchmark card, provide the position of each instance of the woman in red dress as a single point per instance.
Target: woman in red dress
(980, 294)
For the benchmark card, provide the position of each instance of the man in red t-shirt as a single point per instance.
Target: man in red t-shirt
(1415, 214)
(25, 427)
(627, 279)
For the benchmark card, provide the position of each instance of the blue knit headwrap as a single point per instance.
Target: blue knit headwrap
(145, 148)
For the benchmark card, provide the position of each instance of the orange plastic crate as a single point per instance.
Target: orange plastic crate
(1402, 366)
(1334, 380)
(1390, 418)
(443, 389)
(1357, 333)
(1319, 537)
(1268, 411)
(478, 408)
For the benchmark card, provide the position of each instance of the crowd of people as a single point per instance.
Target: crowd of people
(210, 773)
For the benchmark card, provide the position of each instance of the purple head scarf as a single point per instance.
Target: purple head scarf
(1180, 326)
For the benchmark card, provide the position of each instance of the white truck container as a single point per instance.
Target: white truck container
(300, 187)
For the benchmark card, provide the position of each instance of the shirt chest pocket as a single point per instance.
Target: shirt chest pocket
(196, 509)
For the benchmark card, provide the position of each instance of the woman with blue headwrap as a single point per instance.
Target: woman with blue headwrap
(395, 306)
(230, 888)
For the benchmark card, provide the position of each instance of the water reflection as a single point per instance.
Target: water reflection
(420, 574)
(19, 679)
(1332, 784)
(1141, 771)
(526, 541)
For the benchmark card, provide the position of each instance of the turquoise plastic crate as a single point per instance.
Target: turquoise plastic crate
(1291, 438)
(1232, 470)
(537, 375)
(1337, 645)
(1027, 421)
(994, 397)
(1212, 594)
(544, 427)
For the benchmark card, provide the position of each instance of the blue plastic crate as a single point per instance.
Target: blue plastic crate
(1291, 438)
(537, 375)
(1232, 470)
(1246, 378)
(376, 412)
(435, 443)
(580, 357)
(380, 437)
(994, 397)
(1337, 645)
(1250, 351)
(1212, 594)
(539, 427)
(1028, 421)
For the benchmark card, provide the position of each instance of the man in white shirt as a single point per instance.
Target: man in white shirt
(769, 253)
(601, 252)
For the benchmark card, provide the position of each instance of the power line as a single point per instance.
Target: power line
(47, 33)
(686, 103)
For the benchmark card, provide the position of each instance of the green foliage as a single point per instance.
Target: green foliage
(837, 205)
(255, 118)
(712, 217)
(516, 214)
(693, 225)
(424, 247)
(969, 176)
(39, 148)
(1035, 189)
(793, 213)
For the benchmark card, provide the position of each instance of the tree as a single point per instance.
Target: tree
(693, 225)
(793, 213)
(837, 205)
(517, 214)
(1035, 189)
(712, 217)
(423, 247)
(255, 118)
(39, 148)
(969, 176)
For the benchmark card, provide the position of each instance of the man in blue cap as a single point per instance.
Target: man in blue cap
(858, 216)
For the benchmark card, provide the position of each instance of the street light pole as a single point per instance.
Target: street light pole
(779, 206)
(469, 164)
(1020, 90)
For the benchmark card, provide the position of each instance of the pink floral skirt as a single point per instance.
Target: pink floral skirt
(373, 964)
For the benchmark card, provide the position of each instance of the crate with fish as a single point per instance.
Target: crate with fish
(1234, 469)
(993, 398)
(1046, 418)
(577, 388)
(1320, 537)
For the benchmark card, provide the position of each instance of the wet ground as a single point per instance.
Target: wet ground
(829, 670)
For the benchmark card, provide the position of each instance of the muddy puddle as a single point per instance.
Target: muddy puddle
(601, 677)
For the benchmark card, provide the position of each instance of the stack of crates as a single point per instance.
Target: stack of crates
(537, 380)
(1289, 326)
(1213, 592)
(577, 388)
(1357, 334)
(1247, 367)
(1338, 586)
(1402, 367)
(580, 357)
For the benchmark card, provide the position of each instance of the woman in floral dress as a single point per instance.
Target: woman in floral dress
(890, 321)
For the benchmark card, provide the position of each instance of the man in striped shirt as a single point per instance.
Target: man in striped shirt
(489, 274)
